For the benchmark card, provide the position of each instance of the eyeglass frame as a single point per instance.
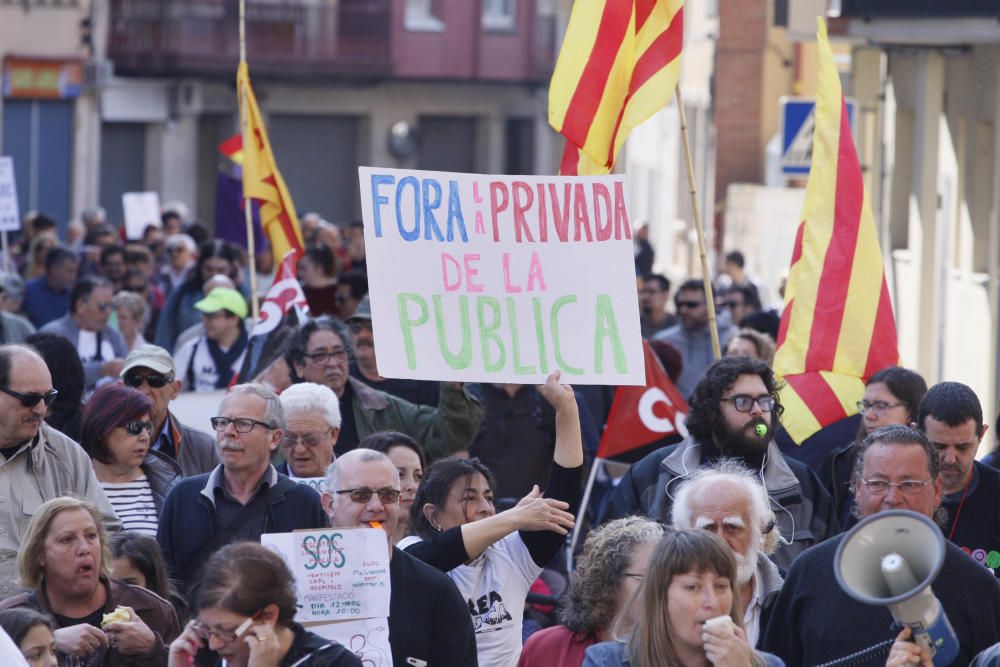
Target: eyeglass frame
(294, 439)
(34, 397)
(864, 406)
(140, 425)
(163, 379)
(367, 493)
(756, 400)
(226, 637)
(916, 484)
(232, 420)
(340, 356)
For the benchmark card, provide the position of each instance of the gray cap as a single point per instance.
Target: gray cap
(363, 311)
(152, 357)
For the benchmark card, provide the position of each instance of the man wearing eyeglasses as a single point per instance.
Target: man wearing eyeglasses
(101, 347)
(897, 468)
(244, 496)
(150, 369)
(429, 623)
(37, 462)
(733, 413)
(312, 420)
(691, 336)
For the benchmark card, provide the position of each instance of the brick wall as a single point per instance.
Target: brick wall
(739, 72)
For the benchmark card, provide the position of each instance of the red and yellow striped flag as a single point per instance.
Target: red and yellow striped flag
(838, 327)
(261, 178)
(619, 64)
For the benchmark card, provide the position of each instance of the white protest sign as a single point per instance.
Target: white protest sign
(141, 210)
(367, 638)
(10, 216)
(317, 484)
(481, 278)
(340, 574)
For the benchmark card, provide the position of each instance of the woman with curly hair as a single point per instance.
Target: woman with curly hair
(609, 571)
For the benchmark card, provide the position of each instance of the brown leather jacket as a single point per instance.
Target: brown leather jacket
(154, 611)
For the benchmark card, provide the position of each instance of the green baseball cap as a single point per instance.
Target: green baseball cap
(223, 298)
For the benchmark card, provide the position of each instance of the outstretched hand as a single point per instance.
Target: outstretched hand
(533, 512)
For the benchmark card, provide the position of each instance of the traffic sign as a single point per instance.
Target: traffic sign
(798, 120)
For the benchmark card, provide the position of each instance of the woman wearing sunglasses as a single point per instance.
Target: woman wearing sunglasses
(115, 433)
(244, 606)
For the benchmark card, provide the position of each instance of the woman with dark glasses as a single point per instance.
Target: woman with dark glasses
(116, 433)
(244, 606)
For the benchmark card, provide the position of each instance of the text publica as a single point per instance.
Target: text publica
(429, 209)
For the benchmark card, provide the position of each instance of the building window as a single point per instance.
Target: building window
(420, 16)
(499, 14)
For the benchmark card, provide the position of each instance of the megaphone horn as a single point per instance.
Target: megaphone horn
(891, 559)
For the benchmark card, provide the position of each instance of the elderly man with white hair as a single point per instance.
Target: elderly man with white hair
(728, 499)
(312, 421)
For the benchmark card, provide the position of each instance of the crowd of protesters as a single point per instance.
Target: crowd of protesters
(129, 536)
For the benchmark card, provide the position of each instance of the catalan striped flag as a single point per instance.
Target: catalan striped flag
(261, 179)
(837, 328)
(619, 64)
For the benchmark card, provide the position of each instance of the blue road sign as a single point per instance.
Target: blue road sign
(798, 119)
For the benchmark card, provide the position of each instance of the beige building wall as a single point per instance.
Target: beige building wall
(939, 201)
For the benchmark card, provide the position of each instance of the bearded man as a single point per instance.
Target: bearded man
(734, 413)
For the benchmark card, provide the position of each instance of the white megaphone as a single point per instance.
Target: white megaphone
(891, 559)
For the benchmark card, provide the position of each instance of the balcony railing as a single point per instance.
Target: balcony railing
(284, 37)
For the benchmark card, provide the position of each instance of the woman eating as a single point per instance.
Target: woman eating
(689, 613)
(64, 562)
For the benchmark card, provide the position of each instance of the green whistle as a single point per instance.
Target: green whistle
(760, 430)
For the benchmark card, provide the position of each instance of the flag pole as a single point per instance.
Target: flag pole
(706, 274)
(247, 202)
(578, 525)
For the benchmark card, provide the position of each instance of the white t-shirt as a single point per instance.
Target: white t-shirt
(86, 347)
(495, 586)
(202, 367)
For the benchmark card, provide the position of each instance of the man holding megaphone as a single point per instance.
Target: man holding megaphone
(816, 621)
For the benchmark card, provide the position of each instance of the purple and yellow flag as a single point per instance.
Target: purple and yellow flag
(837, 328)
(261, 179)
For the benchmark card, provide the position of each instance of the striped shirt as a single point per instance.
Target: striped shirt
(133, 503)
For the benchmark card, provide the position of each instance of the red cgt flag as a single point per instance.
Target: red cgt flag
(641, 415)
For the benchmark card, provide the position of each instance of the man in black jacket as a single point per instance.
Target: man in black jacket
(429, 623)
(814, 621)
(734, 412)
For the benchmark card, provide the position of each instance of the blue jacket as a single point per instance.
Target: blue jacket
(189, 520)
